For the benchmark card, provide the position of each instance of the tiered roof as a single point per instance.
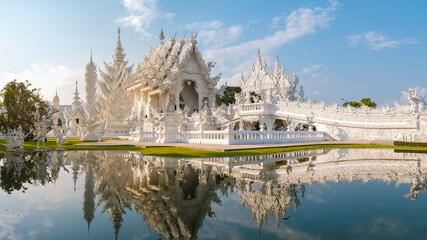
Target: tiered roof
(164, 62)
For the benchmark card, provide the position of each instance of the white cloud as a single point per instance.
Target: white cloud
(48, 78)
(140, 15)
(377, 41)
(169, 16)
(48, 223)
(7, 229)
(275, 22)
(381, 227)
(312, 68)
(300, 22)
(215, 24)
(214, 34)
(318, 74)
(354, 39)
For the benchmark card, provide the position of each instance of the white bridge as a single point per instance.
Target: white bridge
(284, 122)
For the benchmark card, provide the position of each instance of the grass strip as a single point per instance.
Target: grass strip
(410, 144)
(187, 152)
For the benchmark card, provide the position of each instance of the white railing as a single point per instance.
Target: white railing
(230, 137)
(120, 122)
(252, 107)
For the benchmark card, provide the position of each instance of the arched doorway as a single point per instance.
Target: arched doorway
(189, 97)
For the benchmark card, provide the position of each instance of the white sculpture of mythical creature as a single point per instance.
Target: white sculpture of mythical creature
(289, 124)
(237, 97)
(14, 139)
(203, 116)
(413, 99)
(220, 91)
(227, 113)
(422, 104)
(301, 95)
(310, 121)
(41, 132)
(60, 137)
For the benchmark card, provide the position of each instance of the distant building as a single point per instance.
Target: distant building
(74, 116)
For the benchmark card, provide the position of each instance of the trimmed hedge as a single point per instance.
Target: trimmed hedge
(409, 151)
(410, 144)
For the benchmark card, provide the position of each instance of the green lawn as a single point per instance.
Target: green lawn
(185, 152)
(69, 145)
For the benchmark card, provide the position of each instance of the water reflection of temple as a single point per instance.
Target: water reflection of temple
(174, 196)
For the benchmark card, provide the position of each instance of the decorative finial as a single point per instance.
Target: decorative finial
(259, 52)
(76, 87)
(91, 55)
(118, 52)
(161, 35)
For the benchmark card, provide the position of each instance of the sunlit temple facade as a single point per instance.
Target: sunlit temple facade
(171, 98)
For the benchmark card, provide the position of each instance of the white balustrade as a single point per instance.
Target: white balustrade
(230, 137)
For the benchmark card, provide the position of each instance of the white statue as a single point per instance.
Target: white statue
(289, 123)
(310, 121)
(14, 140)
(301, 95)
(60, 137)
(422, 104)
(41, 132)
(413, 99)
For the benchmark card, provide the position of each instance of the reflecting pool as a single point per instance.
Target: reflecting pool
(311, 194)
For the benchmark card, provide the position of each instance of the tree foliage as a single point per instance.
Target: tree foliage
(22, 106)
(363, 102)
(21, 169)
(228, 97)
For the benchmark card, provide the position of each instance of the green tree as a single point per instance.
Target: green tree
(368, 102)
(228, 97)
(363, 102)
(22, 106)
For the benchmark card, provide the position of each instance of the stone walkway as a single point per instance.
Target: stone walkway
(218, 147)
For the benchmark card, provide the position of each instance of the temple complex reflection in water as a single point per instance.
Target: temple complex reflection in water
(174, 196)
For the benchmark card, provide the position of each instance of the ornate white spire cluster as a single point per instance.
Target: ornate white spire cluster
(112, 86)
(262, 80)
(55, 101)
(173, 66)
(118, 52)
(92, 107)
(76, 103)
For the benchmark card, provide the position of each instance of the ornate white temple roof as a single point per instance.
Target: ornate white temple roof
(261, 79)
(77, 110)
(164, 62)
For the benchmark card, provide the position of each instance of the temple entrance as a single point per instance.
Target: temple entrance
(189, 97)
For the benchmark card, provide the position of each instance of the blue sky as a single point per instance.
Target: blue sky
(339, 49)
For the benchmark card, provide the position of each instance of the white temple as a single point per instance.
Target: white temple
(75, 116)
(171, 98)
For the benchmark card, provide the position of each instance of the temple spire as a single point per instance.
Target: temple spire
(76, 102)
(161, 35)
(118, 52)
